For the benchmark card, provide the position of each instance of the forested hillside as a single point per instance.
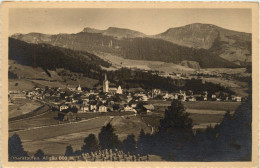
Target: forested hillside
(50, 57)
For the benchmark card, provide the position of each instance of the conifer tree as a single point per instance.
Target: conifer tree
(91, 144)
(69, 151)
(15, 147)
(107, 138)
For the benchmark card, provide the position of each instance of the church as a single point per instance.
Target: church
(107, 89)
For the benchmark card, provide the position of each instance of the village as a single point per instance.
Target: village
(68, 102)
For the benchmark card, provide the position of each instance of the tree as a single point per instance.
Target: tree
(176, 117)
(107, 138)
(15, 147)
(141, 143)
(69, 151)
(39, 154)
(175, 132)
(91, 144)
(129, 144)
(73, 109)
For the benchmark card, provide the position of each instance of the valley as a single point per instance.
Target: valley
(65, 87)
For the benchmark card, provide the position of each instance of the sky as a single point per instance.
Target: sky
(148, 21)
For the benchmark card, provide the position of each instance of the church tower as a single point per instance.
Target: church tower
(105, 84)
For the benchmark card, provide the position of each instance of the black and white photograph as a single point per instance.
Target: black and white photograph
(130, 84)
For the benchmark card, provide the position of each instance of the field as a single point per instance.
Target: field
(22, 106)
(46, 133)
(119, 62)
(203, 114)
(226, 70)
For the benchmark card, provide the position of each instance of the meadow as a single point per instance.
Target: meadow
(54, 139)
(22, 106)
(202, 113)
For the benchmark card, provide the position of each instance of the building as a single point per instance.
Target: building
(83, 109)
(69, 116)
(78, 88)
(129, 109)
(148, 107)
(119, 90)
(105, 85)
(106, 88)
(191, 99)
(63, 107)
(155, 92)
(93, 108)
(102, 108)
(237, 99)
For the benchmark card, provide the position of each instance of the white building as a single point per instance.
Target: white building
(78, 88)
(63, 107)
(102, 108)
(119, 90)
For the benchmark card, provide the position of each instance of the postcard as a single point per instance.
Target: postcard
(130, 84)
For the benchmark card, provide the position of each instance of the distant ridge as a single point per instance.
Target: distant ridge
(116, 32)
(174, 45)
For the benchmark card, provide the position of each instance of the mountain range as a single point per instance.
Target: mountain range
(208, 45)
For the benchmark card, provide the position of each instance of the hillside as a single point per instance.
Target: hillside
(133, 48)
(49, 58)
(230, 45)
(208, 45)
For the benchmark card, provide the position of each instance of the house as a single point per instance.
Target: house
(213, 97)
(69, 116)
(93, 108)
(166, 96)
(238, 99)
(148, 107)
(144, 98)
(78, 88)
(129, 109)
(18, 96)
(83, 109)
(85, 101)
(63, 107)
(192, 99)
(102, 108)
(182, 97)
(155, 92)
(218, 99)
(134, 105)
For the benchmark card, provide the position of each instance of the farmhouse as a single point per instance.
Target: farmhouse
(69, 116)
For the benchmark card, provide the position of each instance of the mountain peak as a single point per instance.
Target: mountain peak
(91, 30)
(115, 32)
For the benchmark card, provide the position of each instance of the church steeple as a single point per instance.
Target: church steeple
(105, 84)
(105, 76)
